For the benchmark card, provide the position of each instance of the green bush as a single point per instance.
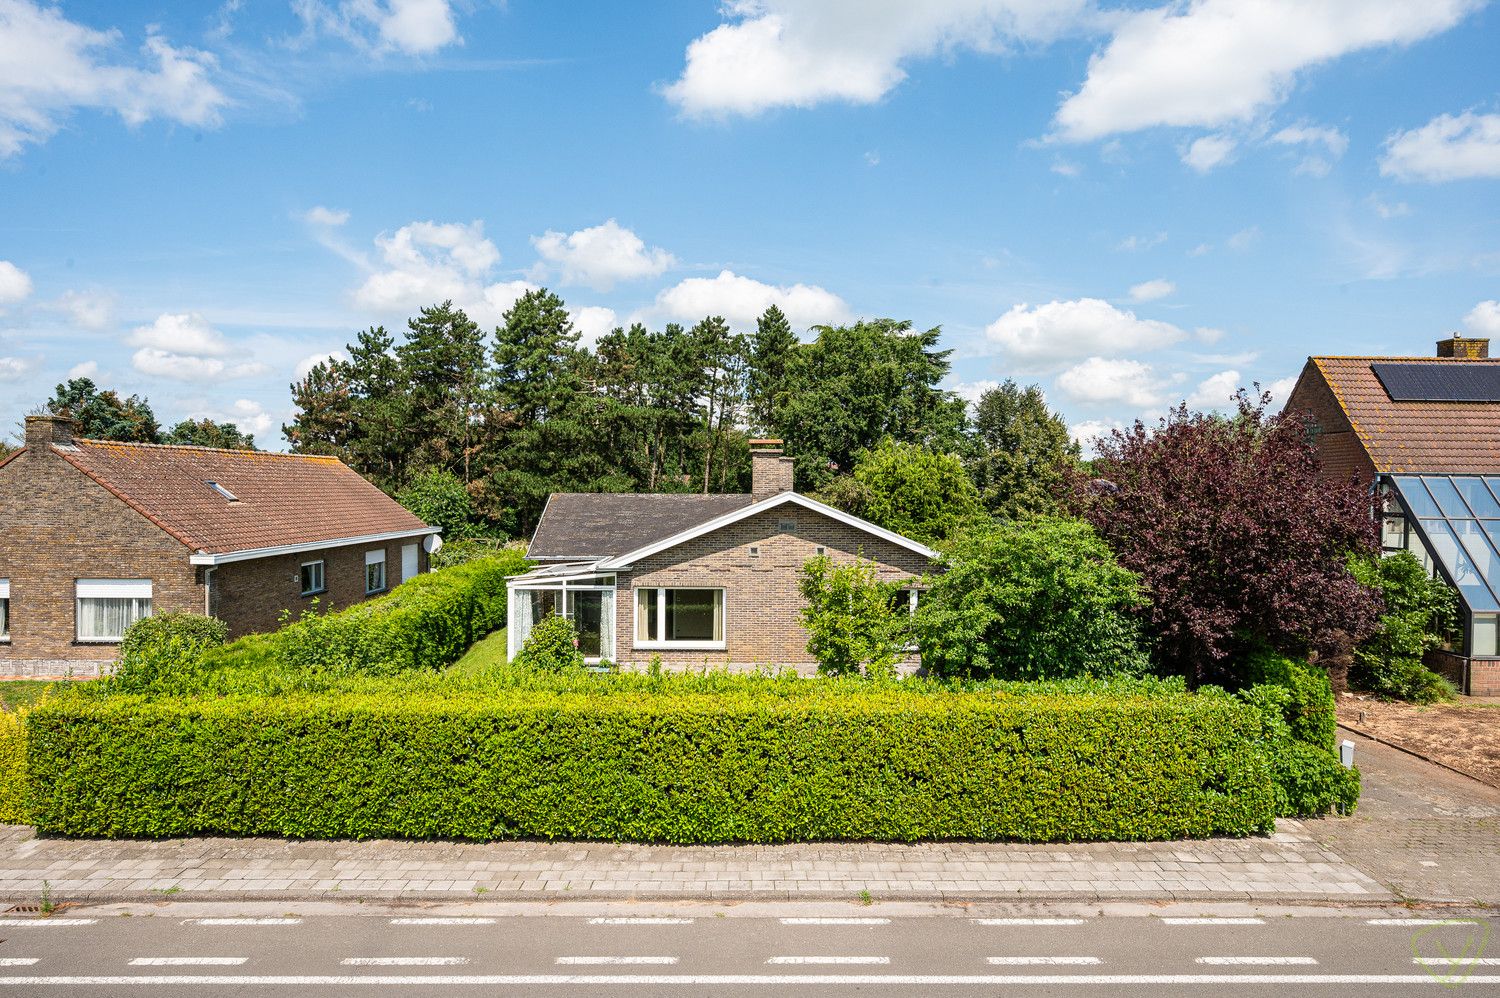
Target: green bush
(439, 498)
(166, 651)
(1297, 736)
(13, 810)
(762, 760)
(552, 646)
(1310, 712)
(851, 624)
(1419, 612)
(1311, 782)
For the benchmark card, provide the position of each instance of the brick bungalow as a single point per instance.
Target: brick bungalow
(1424, 434)
(98, 533)
(696, 579)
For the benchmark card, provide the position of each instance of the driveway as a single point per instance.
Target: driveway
(1422, 831)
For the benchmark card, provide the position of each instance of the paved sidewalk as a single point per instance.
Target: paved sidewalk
(1287, 866)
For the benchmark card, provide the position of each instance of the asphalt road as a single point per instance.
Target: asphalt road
(561, 949)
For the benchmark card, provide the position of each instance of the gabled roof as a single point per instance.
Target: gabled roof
(586, 525)
(281, 501)
(1414, 436)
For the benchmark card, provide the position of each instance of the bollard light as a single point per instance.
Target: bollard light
(1346, 753)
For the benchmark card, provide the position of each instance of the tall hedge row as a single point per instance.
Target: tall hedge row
(661, 767)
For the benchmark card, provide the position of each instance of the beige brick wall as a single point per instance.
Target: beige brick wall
(761, 600)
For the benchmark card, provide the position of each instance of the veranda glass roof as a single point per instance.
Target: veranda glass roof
(1460, 517)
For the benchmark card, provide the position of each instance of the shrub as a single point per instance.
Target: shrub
(13, 809)
(438, 497)
(919, 493)
(552, 646)
(764, 760)
(166, 651)
(1037, 599)
(1310, 712)
(1419, 612)
(1296, 705)
(851, 624)
(1311, 782)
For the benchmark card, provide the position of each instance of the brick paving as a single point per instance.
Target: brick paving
(1287, 866)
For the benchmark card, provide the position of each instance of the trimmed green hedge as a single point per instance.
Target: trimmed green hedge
(679, 767)
(13, 767)
(1310, 711)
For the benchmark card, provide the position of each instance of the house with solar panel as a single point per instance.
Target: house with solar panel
(1424, 433)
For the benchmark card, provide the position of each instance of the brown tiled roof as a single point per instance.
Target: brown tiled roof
(283, 498)
(605, 524)
(1441, 437)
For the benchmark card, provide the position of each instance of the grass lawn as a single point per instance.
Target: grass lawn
(20, 692)
(485, 653)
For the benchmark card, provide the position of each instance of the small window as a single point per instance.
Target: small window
(374, 572)
(820, 551)
(222, 491)
(4, 609)
(755, 551)
(312, 577)
(786, 526)
(1486, 633)
(106, 607)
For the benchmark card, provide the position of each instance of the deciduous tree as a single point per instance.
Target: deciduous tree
(1022, 452)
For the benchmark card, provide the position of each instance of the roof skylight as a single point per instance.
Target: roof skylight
(222, 491)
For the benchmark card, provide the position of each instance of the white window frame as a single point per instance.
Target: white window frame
(373, 558)
(137, 590)
(661, 620)
(322, 576)
(4, 611)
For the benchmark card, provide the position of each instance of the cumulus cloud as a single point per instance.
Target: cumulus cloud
(15, 283)
(426, 262)
(1484, 318)
(1212, 63)
(320, 215)
(1322, 144)
(185, 347)
(1216, 391)
(741, 300)
(88, 309)
(1152, 290)
(306, 364)
(1281, 390)
(1087, 432)
(1137, 244)
(249, 416)
(88, 369)
(800, 53)
(970, 391)
(1064, 330)
(51, 66)
(1244, 239)
(410, 27)
(599, 257)
(1100, 381)
(1209, 152)
(15, 368)
(1449, 147)
(592, 322)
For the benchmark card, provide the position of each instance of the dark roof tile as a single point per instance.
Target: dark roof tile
(605, 524)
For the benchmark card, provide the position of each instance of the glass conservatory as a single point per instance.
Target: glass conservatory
(584, 597)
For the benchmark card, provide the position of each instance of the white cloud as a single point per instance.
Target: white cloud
(1065, 169)
(50, 66)
(1088, 431)
(15, 283)
(330, 217)
(1216, 391)
(970, 391)
(1063, 330)
(1136, 244)
(184, 347)
(424, 263)
(411, 27)
(799, 53)
(1387, 210)
(1202, 249)
(1324, 144)
(195, 370)
(15, 368)
(1100, 381)
(246, 415)
(1209, 152)
(1152, 290)
(1484, 318)
(1243, 239)
(89, 309)
(1208, 334)
(598, 257)
(592, 322)
(306, 364)
(88, 369)
(741, 300)
(1211, 63)
(1449, 147)
(1281, 390)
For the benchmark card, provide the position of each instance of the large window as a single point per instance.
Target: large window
(107, 606)
(312, 577)
(374, 572)
(683, 618)
(4, 609)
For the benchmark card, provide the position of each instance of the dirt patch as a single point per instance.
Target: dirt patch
(1464, 736)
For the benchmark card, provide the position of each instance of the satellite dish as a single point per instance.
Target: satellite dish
(432, 544)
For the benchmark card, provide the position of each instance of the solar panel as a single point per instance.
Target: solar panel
(1448, 381)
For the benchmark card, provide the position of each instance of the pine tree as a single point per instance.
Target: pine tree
(1022, 452)
(207, 433)
(104, 415)
(770, 354)
(443, 361)
(325, 417)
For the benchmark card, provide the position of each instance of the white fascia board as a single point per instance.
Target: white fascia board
(250, 554)
(629, 558)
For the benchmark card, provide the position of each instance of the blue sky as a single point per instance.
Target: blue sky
(1129, 204)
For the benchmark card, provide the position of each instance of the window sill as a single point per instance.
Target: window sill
(97, 641)
(315, 592)
(375, 592)
(681, 645)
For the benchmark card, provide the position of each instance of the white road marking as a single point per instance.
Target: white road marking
(404, 961)
(1213, 921)
(1281, 980)
(1258, 961)
(1028, 921)
(56, 923)
(1420, 921)
(1030, 961)
(835, 921)
(188, 961)
(640, 921)
(1465, 961)
(590, 961)
(17, 961)
(244, 921)
(830, 960)
(442, 921)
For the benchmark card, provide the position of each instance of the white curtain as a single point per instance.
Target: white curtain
(519, 606)
(607, 626)
(105, 618)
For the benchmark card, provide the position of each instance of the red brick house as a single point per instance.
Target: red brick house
(1424, 434)
(696, 579)
(97, 533)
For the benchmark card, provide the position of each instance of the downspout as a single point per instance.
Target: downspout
(208, 585)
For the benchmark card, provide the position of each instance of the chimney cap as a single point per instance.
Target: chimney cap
(766, 443)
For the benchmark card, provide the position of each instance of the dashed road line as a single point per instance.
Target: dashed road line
(831, 960)
(52, 923)
(1028, 921)
(1043, 961)
(640, 920)
(835, 921)
(1420, 921)
(1280, 980)
(443, 921)
(632, 961)
(1257, 961)
(17, 961)
(1213, 921)
(243, 921)
(1456, 961)
(404, 961)
(188, 961)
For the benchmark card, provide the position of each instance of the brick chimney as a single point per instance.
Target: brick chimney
(42, 431)
(1464, 347)
(770, 470)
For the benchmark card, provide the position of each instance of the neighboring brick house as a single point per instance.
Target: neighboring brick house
(1424, 434)
(696, 579)
(94, 534)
